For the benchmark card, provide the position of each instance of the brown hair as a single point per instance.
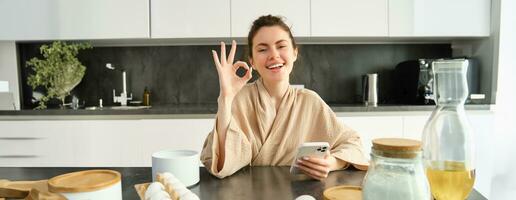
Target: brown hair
(267, 21)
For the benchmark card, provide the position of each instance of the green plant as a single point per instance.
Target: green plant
(59, 72)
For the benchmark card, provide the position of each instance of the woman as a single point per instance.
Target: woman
(263, 123)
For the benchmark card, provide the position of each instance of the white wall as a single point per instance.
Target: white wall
(9, 69)
(503, 184)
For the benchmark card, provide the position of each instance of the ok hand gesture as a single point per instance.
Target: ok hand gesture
(230, 83)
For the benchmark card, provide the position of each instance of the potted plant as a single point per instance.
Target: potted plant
(59, 72)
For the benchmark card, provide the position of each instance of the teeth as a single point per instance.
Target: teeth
(275, 66)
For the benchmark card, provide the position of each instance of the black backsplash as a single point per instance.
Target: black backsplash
(187, 75)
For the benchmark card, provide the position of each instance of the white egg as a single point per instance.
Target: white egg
(189, 196)
(305, 197)
(171, 180)
(153, 188)
(167, 175)
(181, 190)
(177, 184)
(161, 195)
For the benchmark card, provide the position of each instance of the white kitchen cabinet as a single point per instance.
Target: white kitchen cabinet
(372, 127)
(34, 143)
(349, 18)
(413, 125)
(96, 143)
(73, 19)
(190, 19)
(107, 142)
(439, 18)
(296, 12)
(185, 134)
(131, 142)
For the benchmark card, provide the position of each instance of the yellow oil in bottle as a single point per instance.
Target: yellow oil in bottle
(450, 180)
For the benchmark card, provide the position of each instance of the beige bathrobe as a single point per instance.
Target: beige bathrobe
(259, 135)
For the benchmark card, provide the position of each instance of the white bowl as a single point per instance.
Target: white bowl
(183, 164)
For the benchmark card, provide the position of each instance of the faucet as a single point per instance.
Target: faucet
(122, 99)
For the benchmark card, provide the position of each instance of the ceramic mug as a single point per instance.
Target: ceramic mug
(183, 164)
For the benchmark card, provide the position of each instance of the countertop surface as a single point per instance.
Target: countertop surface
(248, 183)
(206, 111)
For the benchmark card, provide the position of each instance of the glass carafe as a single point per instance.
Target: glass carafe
(447, 138)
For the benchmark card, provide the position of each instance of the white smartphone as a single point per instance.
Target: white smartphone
(309, 149)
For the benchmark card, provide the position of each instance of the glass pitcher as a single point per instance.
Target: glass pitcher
(447, 138)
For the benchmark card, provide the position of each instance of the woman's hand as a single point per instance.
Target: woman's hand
(319, 168)
(229, 82)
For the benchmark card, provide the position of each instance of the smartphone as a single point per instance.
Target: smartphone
(309, 149)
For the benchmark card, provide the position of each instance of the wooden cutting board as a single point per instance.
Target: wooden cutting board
(29, 190)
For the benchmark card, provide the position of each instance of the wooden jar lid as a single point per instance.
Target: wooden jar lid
(343, 192)
(84, 181)
(396, 147)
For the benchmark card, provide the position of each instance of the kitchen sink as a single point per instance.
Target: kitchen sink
(128, 107)
(119, 108)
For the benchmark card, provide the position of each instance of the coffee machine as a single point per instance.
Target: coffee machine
(414, 81)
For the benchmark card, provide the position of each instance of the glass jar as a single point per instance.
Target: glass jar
(447, 143)
(396, 171)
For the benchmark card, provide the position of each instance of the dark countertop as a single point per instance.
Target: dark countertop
(248, 183)
(200, 111)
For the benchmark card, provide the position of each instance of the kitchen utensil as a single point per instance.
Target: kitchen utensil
(415, 78)
(447, 136)
(184, 164)
(28, 190)
(396, 171)
(370, 89)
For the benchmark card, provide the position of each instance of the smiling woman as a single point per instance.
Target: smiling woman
(264, 122)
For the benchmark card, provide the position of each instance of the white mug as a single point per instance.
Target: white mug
(183, 164)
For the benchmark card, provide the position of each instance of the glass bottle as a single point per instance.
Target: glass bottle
(396, 171)
(146, 97)
(447, 142)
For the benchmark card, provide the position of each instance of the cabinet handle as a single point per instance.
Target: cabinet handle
(19, 156)
(20, 138)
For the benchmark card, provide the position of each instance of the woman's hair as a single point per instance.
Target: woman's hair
(267, 21)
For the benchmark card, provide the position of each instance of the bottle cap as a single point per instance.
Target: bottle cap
(396, 147)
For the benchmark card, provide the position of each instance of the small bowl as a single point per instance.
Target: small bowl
(184, 164)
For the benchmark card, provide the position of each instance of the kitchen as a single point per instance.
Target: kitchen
(341, 41)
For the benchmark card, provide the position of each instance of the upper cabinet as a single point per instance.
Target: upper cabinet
(190, 19)
(349, 18)
(296, 13)
(73, 19)
(140, 19)
(439, 18)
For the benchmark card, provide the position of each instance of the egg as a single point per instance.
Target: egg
(189, 196)
(153, 188)
(177, 185)
(305, 197)
(167, 175)
(181, 190)
(160, 195)
(171, 180)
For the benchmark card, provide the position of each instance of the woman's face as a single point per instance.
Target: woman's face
(273, 54)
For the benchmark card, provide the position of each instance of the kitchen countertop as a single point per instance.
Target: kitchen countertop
(248, 183)
(197, 111)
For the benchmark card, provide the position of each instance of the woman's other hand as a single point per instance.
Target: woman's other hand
(319, 168)
(230, 83)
